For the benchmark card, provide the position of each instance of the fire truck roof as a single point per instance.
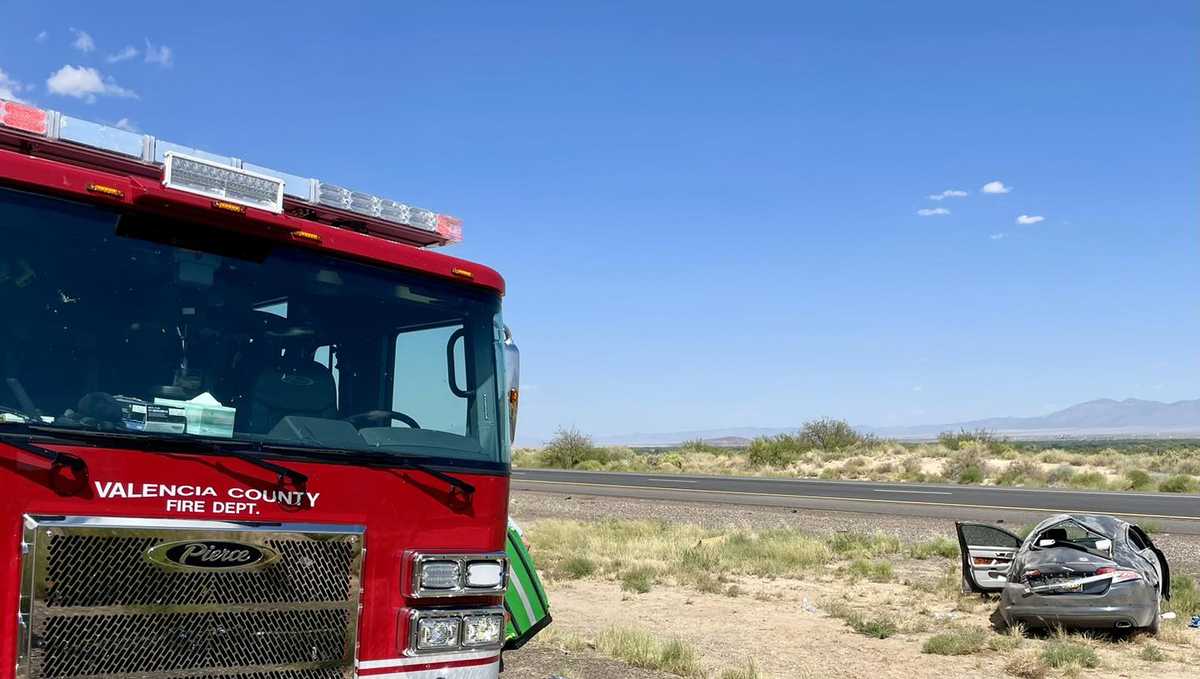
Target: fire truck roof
(51, 151)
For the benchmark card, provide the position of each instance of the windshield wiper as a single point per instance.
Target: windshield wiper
(151, 443)
(57, 459)
(367, 457)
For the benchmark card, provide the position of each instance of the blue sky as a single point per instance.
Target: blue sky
(708, 214)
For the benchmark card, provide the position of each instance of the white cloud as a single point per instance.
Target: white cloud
(932, 211)
(9, 87)
(127, 125)
(127, 52)
(948, 193)
(996, 187)
(84, 83)
(158, 55)
(1030, 219)
(997, 236)
(41, 38)
(83, 41)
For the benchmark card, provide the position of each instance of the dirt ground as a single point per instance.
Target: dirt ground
(782, 624)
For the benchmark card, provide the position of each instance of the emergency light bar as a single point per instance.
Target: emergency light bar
(233, 180)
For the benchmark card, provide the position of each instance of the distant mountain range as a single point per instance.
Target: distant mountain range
(1102, 418)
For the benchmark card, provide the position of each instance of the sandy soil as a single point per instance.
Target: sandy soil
(790, 636)
(783, 624)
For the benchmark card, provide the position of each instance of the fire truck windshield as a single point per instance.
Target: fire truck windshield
(151, 327)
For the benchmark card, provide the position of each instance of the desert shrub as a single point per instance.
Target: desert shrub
(1060, 476)
(1152, 653)
(992, 442)
(1138, 479)
(750, 671)
(776, 451)
(1022, 473)
(590, 466)
(1089, 480)
(910, 469)
(700, 446)
(864, 545)
(875, 571)
(966, 466)
(1011, 640)
(960, 641)
(639, 579)
(1027, 666)
(855, 462)
(939, 546)
(1063, 653)
(578, 567)
(1185, 596)
(1179, 483)
(640, 649)
(878, 628)
(830, 434)
(568, 448)
(671, 460)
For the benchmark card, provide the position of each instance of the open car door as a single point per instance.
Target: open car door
(1141, 540)
(986, 553)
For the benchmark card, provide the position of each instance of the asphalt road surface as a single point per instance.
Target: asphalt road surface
(1181, 512)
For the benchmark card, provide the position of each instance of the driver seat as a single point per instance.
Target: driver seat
(296, 385)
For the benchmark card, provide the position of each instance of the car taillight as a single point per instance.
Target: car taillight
(1119, 575)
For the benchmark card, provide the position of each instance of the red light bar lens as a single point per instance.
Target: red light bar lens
(23, 117)
(449, 228)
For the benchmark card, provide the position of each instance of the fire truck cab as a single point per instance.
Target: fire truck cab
(251, 426)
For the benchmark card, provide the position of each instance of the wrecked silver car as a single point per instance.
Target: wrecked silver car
(1073, 570)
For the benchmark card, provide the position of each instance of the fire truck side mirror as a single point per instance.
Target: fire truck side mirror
(512, 380)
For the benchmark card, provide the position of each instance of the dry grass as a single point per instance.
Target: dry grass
(641, 649)
(643, 553)
(970, 458)
(923, 601)
(958, 641)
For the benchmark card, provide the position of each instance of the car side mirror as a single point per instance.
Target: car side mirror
(1104, 545)
(1047, 542)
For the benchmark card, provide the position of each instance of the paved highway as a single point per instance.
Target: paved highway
(942, 501)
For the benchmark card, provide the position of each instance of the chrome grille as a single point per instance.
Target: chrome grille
(93, 604)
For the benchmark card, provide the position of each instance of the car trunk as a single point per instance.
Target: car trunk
(1057, 569)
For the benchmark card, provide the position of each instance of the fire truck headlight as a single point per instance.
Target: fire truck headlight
(454, 575)
(485, 574)
(435, 634)
(482, 630)
(439, 575)
(446, 630)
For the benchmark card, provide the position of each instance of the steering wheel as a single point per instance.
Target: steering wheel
(370, 415)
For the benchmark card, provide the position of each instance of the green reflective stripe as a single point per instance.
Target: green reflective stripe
(525, 599)
(515, 583)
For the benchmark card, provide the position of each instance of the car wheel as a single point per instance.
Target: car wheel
(1152, 628)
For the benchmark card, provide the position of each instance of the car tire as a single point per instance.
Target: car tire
(1156, 622)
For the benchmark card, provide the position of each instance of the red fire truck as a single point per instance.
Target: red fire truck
(251, 426)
